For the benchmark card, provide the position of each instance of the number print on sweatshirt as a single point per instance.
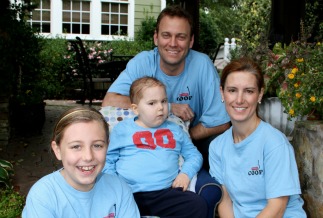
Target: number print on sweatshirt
(162, 137)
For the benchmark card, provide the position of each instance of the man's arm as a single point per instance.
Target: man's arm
(117, 100)
(199, 132)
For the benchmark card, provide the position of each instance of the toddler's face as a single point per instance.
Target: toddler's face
(152, 109)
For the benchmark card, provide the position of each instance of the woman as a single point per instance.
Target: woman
(253, 161)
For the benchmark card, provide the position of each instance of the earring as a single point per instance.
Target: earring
(222, 100)
(259, 102)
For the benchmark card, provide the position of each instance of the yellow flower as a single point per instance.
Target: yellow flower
(318, 43)
(298, 95)
(291, 112)
(296, 85)
(291, 76)
(312, 99)
(294, 70)
(300, 60)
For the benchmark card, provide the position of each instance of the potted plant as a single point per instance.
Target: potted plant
(297, 75)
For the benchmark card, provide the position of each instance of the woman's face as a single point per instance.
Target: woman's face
(241, 96)
(82, 151)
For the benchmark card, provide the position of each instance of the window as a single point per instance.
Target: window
(40, 17)
(114, 18)
(76, 17)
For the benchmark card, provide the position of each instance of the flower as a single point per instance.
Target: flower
(297, 77)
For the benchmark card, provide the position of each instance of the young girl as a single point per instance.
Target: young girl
(80, 189)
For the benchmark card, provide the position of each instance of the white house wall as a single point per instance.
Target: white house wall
(136, 10)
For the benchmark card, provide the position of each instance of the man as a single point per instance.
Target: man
(190, 77)
(192, 84)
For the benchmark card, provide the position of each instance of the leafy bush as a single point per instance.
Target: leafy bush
(20, 62)
(124, 47)
(219, 22)
(146, 31)
(6, 170)
(11, 203)
(54, 67)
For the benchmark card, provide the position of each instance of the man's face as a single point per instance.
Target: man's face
(174, 41)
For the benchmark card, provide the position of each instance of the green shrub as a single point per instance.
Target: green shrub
(6, 170)
(146, 31)
(124, 47)
(11, 203)
(54, 66)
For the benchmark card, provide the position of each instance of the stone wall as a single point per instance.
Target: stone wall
(308, 145)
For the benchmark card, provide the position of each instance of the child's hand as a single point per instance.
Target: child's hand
(181, 181)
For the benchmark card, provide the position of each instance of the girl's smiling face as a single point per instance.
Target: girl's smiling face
(241, 96)
(82, 151)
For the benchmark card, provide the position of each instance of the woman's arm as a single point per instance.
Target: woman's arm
(275, 208)
(225, 208)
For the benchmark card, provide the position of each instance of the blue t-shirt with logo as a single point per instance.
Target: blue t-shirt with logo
(260, 167)
(198, 85)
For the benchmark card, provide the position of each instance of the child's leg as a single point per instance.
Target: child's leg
(171, 202)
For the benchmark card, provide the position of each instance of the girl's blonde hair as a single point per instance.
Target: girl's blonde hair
(77, 115)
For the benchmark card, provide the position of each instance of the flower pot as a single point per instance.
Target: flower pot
(272, 111)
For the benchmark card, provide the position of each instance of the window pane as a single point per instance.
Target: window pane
(36, 26)
(86, 17)
(105, 18)
(76, 6)
(46, 28)
(66, 28)
(46, 16)
(123, 8)
(66, 16)
(36, 15)
(46, 4)
(105, 30)
(85, 6)
(124, 30)
(105, 7)
(66, 5)
(85, 29)
(76, 17)
(123, 19)
(114, 8)
(37, 2)
(114, 19)
(75, 28)
(114, 30)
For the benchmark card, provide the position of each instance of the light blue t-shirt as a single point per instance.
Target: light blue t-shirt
(52, 196)
(260, 167)
(147, 158)
(198, 85)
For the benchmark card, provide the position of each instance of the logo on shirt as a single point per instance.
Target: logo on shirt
(111, 215)
(255, 170)
(185, 95)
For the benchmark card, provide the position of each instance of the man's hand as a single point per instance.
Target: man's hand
(181, 181)
(183, 111)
